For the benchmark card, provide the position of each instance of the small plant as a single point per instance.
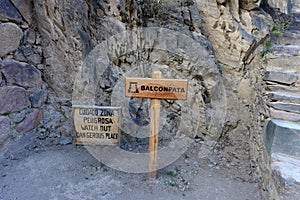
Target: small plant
(282, 25)
(150, 8)
(276, 28)
(173, 173)
(276, 34)
(266, 49)
(104, 169)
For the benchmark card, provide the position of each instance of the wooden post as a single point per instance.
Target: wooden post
(154, 129)
(155, 88)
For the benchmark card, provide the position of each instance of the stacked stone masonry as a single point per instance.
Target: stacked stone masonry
(20, 80)
(282, 96)
(40, 56)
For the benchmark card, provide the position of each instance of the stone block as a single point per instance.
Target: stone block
(29, 36)
(280, 77)
(10, 36)
(9, 12)
(282, 115)
(282, 137)
(293, 108)
(37, 98)
(5, 129)
(287, 50)
(22, 74)
(286, 97)
(287, 166)
(28, 54)
(31, 121)
(25, 7)
(283, 63)
(13, 99)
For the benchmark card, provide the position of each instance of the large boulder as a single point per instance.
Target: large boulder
(26, 9)
(13, 99)
(21, 74)
(10, 36)
(31, 121)
(9, 12)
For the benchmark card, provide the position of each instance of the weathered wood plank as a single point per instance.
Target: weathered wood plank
(172, 89)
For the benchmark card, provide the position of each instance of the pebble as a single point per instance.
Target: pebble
(65, 141)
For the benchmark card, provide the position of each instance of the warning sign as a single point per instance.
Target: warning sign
(97, 125)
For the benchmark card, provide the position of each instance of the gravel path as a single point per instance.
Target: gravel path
(70, 172)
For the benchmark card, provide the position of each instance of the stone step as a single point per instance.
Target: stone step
(286, 63)
(282, 137)
(286, 172)
(282, 141)
(288, 165)
(289, 38)
(289, 107)
(281, 88)
(286, 78)
(293, 50)
(283, 115)
(284, 97)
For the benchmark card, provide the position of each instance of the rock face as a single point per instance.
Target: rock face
(281, 77)
(5, 130)
(25, 8)
(21, 74)
(31, 121)
(249, 4)
(13, 99)
(282, 141)
(9, 12)
(283, 137)
(80, 51)
(10, 36)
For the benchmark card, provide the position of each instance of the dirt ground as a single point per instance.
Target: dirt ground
(71, 172)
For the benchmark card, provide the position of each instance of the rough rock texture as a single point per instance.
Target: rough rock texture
(21, 74)
(235, 35)
(58, 36)
(5, 130)
(249, 4)
(232, 41)
(282, 141)
(80, 51)
(9, 12)
(285, 6)
(295, 6)
(281, 77)
(25, 8)
(13, 99)
(31, 121)
(10, 36)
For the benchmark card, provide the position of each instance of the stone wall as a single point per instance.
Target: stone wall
(22, 92)
(43, 55)
(284, 6)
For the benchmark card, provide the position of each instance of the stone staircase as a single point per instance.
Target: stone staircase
(282, 96)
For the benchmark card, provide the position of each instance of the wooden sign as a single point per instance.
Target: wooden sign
(172, 89)
(97, 125)
(155, 88)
